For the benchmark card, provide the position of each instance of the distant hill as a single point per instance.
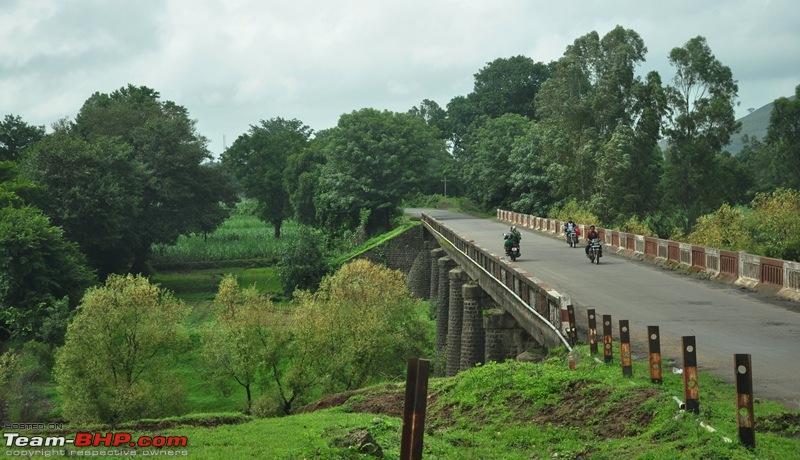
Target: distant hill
(754, 124)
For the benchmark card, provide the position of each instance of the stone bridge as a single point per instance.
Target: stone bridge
(485, 309)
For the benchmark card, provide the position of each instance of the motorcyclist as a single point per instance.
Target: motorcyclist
(570, 226)
(590, 235)
(512, 237)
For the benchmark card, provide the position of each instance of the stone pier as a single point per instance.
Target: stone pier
(454, 323)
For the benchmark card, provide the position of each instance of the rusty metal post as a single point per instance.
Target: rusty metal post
(625, 347)
(592, 332)
(608, 353)
(414, 409)
(655, 354)
(573, 330)
(744, 400)
(690, 382)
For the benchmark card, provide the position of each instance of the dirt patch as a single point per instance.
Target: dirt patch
(385, 400)
(785, 425)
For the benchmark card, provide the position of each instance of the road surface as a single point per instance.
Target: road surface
(723, 318)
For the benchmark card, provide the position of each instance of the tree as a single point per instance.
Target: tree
(302, 175)
(510, 86)
(175, 197)
(114, 365)
(246, 342)
(374, 160)
(92, 191)
(530, 188)
(16, 136)
(42, 275)
(701, 123)
(775, 218)
(486, 168)
(783, 140)
(303, 264)
(361, 326)
(258, 160)
(593, 92)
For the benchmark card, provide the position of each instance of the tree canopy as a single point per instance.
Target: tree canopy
(179, 194)
(259, 158)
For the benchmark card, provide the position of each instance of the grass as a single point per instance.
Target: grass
(240, 238)
(510, 411)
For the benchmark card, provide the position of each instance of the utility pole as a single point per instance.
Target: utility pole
(445, 187)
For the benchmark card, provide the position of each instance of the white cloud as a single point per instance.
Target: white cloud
(233, 63)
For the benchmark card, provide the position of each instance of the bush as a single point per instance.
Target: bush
(579, 213)
(114, 365)
(303, 264)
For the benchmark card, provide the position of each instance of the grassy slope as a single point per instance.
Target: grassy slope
(518, 411)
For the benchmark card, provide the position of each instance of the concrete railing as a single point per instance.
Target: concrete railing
(533, 304)
(743, 268)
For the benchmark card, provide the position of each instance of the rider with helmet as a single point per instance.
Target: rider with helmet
(590, 235)
(570, 226)
(512, 237)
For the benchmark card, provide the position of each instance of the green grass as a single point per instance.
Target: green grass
(516, 411)
(240, 238)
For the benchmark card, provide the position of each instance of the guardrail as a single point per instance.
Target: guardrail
(743, 268)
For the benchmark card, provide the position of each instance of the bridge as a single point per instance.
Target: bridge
(491, 309)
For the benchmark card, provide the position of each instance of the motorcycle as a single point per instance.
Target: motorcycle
(512, 250)
(572, 238)
(595, 250)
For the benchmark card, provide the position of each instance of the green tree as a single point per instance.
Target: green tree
(42, 275)
(702, 121)
(530, 188)
(775, 219)
(361, 326)
(16, 136)
(726, 228)
(374, 160)
(116, 360)
(92, 191)
(176, 197)
(509, 85)
(302, 175)
(783, 141)
(246, 343)
(592, 95)
(258, 159)
(303, 264)
(486, 168)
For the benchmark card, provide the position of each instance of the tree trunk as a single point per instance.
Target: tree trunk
(277, 225)
(139, 264)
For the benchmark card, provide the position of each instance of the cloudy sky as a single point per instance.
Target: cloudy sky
(232, 63)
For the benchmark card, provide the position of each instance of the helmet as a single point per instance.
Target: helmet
(570, 219)
(513, 227)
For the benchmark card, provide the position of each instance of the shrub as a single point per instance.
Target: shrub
(114, 365)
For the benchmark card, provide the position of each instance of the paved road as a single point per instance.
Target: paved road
(724, 320)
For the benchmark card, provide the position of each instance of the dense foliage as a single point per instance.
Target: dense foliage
(115, 362)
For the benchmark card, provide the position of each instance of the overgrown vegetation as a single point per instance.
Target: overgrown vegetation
(513, 411)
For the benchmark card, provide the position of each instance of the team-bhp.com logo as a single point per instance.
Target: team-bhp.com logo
(84, 439)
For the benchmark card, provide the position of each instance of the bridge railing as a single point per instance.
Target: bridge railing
(544, 307)
(745, 269)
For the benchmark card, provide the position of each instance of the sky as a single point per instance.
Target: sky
(233, 63)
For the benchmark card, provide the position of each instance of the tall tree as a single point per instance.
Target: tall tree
(783, 140)
(374, 160)
(16, 136)
(258, 159)
(92, 191)
(592, 91)
(509, 86)
(175, 194)
(486, 169)
(701, 122)
(42, 276)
